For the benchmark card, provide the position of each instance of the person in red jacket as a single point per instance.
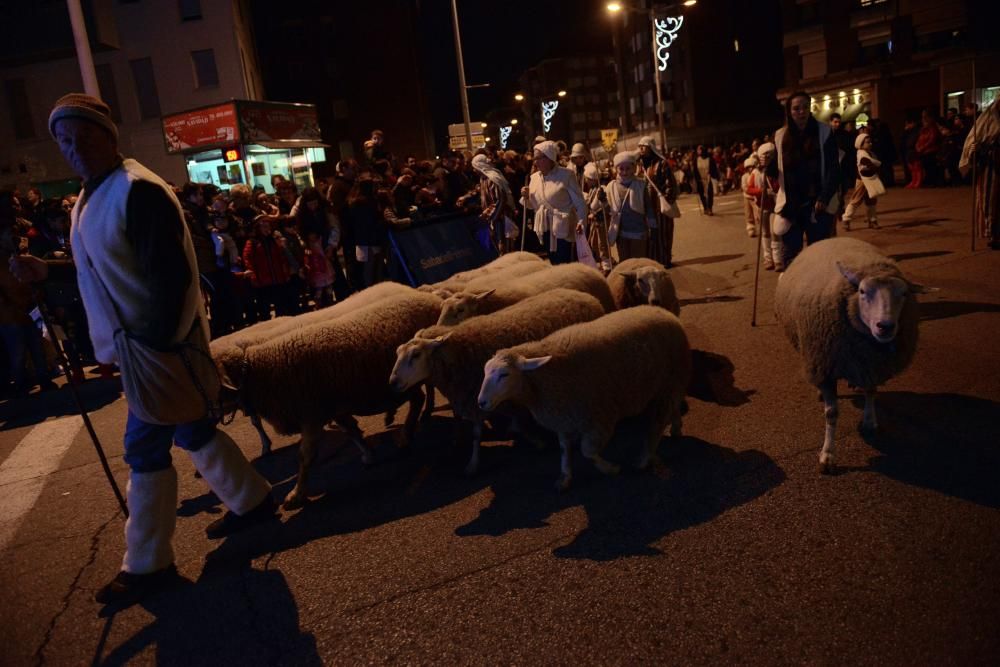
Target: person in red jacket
(267, 268)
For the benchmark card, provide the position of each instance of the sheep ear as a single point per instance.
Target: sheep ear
(533, 364)
(436, 342)
(485, 294)
(917, 288)
(849, 274)
(629, 277)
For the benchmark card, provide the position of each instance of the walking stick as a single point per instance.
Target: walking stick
(760, 244)
(64, 362)
(524, 213)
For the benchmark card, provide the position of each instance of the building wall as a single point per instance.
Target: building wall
(169, 46)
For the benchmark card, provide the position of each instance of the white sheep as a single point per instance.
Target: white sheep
(228, 350)
(458, 281)
(852, 315)
(582, 380)
(452, 358)
(332, 371)
(641, 280)
(579, 277)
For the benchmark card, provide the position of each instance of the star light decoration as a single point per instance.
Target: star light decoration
(504, 135)
(666, 33)
(548, 111)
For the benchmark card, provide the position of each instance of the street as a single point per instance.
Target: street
(733, 550)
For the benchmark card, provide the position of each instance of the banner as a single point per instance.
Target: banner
(272, 121)
(609, 138)
(433, 251)
(206, 127)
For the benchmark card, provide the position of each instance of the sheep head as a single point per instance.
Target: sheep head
(413, 362)
(875, 307)
(504, 378)
(649, 284)
(459, 307)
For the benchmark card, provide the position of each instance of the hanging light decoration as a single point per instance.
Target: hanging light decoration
(504, 135)
(666, 33)
(548, 111)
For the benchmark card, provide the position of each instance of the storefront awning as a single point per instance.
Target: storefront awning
(292, 143)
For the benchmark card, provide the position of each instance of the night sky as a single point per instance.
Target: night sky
(499, 41)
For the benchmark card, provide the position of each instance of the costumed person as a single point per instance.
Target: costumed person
(597, 234)
(663, 193)
(808, 170)
(632, 211)
(497, 202)
(750, 213)
(869, 186)
(135, 265)
(579, 156)
(553, 193)
(763, 188)
(705, 173)
(983, 146)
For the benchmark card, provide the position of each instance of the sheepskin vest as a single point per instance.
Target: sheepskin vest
(824, 133)
(99, 244)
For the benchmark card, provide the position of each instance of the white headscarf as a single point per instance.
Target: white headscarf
(590, 172)
(481, 164)
(625, 157)
(651, 143)
(548, 149)
(765, 149)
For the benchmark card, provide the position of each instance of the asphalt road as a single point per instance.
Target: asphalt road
(734, 550)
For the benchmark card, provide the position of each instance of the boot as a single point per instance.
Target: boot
(241, 489)
(149, 556)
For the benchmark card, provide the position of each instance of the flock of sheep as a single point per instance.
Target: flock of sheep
(521, 339)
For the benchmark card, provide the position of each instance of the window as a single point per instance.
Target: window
(578, 117)
(190, 10)
(109, 93)
(648, 100)
(20, 110)
(145, 88)
(205, 73)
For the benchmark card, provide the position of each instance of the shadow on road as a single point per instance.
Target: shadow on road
(711, 259)
(902, 257)
(713, 381)
(916, 223)
(240, 616)
(722, 298)
(696, 482)
(944, 442)
(36, 408)
(939, 310)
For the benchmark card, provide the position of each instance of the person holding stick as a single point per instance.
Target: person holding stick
(553, 193)
(138, 280)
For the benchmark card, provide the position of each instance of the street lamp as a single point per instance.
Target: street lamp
(519, 97)
(561, 93)
(664, 32)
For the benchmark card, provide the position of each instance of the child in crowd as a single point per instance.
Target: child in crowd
(869, 186)
(750, 213)
(319, 270)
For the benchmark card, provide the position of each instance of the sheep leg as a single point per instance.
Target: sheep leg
(591, 446)
(350, 426)
(829, 391)
(477, 436)
(429, 400)
(311, 437)
(566, 478)
(869, 421)
(265, 440)
(410, 425)
(670, 415)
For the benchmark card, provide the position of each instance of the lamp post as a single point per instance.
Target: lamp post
(461, 76)
(664, 32)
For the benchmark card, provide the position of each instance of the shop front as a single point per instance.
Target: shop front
(853, 103)
(247, 142)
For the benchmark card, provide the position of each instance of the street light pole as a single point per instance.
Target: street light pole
(619, 65)
(461, 77)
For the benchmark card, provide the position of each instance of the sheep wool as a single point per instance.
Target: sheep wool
(578, 383)
(641, 280)
(459, 280)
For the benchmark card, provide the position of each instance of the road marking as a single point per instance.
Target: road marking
(24, 473)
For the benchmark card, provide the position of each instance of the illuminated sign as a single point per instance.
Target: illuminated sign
(231, 155)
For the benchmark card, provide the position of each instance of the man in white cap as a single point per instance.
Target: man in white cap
(135, 265)
(663, 192)
(632, 210)
(554, 194)
(597, 233)
(579, 156)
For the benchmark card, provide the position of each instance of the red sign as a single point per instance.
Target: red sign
(206, 127)
(278, 122)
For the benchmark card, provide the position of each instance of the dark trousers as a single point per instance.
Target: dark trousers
(707, 196)
(804, 230)
(563, 253)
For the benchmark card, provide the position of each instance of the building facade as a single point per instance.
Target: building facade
(359, 63)
(889, 59)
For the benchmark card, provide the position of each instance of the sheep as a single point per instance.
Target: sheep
(227, 351)
(640, 280)
(582, 380)
(331, 371)
(458, 281)
(579, 277)
(851, 314)
(452, 358)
